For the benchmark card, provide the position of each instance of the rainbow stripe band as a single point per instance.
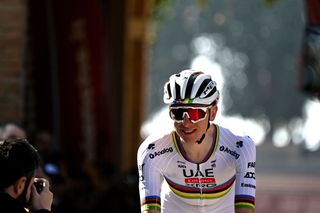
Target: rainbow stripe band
(189, 192)
(244, 201)
(151, 202)
(184, 101)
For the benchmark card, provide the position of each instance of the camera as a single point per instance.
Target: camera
(39, 184)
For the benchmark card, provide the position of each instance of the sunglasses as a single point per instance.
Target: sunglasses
(195, 114)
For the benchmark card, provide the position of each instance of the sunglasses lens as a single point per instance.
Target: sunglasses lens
(177, 114)
(194, 114)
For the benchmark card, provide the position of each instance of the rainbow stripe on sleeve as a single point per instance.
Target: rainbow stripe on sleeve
(151, 202)
(244, 201)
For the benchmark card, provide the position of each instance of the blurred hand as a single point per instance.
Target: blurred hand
(42, 200)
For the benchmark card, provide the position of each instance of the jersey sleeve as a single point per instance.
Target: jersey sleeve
(150, 178)
(245, 174)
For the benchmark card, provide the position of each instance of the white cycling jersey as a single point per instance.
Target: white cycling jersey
(171, 183)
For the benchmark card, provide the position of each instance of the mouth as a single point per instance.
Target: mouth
(188, 132)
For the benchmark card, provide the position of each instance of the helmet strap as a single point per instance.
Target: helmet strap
(204, 134)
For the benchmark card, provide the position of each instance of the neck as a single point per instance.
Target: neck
(197, 152)
(10, 191)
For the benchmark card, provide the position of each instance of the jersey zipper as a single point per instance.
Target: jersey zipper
(201, 201)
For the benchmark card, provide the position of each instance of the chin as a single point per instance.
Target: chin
(188, 138)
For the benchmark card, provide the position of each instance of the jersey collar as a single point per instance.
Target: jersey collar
(213, 148)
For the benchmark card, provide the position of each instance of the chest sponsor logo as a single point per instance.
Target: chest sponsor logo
(248, 185)
(200, 179)
(250, 175)
(239, 144)
(151, 146)
(165, 150)
(251, 164)
(181, 164)
(200, 182)
(198, 173)
(229, 151)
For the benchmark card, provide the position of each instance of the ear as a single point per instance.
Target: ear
(213, 112)
(19, 185)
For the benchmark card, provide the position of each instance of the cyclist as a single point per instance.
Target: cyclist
(200, 166)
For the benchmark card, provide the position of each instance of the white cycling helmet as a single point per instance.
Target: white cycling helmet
(190, 87)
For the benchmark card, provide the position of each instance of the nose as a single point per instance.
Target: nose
(186, 119)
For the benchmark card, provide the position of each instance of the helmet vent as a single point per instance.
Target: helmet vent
(169, 91)
(190, 85)
(178, 96)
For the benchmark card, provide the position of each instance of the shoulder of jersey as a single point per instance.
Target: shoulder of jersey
(237, 140)
(152, 143)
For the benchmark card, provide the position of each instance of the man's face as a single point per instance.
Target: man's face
(25, 196)
(190, 131)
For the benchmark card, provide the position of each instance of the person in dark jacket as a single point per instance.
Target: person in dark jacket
(20, 190)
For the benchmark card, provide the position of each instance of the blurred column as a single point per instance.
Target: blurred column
(12, 26)
(137, 29)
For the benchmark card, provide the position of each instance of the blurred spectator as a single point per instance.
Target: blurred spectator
(19, 161)
(99, 187)
(52, 164)
(12, 130)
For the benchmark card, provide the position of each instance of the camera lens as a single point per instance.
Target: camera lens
(39, 185)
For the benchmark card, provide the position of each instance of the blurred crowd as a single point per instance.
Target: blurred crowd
(80, 189)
